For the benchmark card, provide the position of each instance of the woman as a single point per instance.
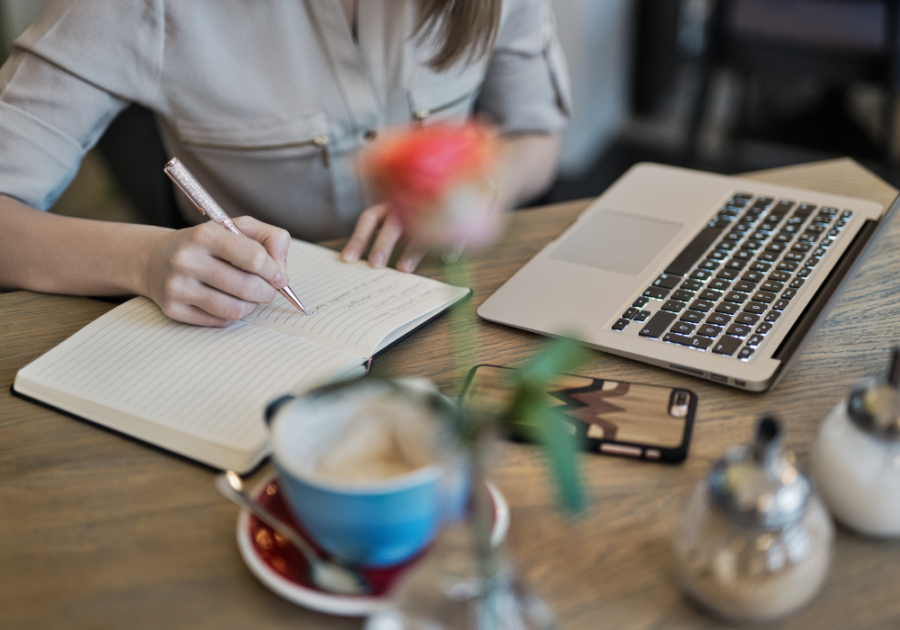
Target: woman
(267, 103)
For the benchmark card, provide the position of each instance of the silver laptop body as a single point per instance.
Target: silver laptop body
(715, 276)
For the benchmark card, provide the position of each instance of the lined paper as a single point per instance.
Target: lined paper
(207, 383)
(350, 305)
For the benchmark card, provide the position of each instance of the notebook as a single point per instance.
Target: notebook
(202, 392)
(715, 276)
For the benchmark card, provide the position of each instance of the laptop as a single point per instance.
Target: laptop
(714, 276)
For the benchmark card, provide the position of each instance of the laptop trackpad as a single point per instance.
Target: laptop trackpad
(615, 241)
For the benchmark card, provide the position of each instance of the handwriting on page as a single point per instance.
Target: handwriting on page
(349, 305)
(206, 382)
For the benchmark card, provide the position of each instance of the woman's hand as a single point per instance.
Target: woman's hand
(208, 276)
(380, 226)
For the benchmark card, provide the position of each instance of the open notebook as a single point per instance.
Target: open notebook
(201, 392)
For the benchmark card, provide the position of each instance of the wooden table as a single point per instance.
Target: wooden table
(101, 531)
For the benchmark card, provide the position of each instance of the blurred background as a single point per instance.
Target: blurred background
(721, 85)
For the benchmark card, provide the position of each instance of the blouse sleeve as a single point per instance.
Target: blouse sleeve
(62, 86)
(526, 88)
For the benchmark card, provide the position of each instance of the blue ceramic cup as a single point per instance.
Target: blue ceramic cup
(376, 520)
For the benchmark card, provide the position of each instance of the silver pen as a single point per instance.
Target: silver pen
(206, 205)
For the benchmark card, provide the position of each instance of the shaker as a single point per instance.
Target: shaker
(856, 456)
(754, 541)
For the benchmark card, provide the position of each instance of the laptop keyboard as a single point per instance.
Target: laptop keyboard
(725, 292)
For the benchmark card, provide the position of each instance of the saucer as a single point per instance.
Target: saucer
(278, 565)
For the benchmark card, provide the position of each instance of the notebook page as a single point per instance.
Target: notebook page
(350, 305)
(205, 383)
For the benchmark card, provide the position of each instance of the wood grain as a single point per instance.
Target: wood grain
(100, 531)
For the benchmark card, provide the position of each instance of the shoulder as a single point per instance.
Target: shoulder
(115, 44)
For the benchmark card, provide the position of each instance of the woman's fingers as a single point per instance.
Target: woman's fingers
(209, 276)
(411, 257)
(388, 235)
(366, 226)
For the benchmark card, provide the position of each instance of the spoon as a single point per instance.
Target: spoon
(327, 575)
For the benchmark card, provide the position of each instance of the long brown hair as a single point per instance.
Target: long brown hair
(464, 28)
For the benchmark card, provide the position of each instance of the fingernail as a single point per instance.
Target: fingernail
(350, 254)
(377, 259)
(406, 265)
(280, 281)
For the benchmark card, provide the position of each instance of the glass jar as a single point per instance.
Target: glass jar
(753, 542)
(856, 456)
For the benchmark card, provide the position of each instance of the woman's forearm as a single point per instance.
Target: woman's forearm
(49, 253)
(528, 164)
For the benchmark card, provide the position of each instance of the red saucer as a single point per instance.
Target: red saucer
(281, 567)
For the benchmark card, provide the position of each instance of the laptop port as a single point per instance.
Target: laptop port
(718, 377)
(740, 383)
(685, 369)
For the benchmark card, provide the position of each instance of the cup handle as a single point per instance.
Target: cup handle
(273, 407)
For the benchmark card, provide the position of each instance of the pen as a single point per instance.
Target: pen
(206, 205)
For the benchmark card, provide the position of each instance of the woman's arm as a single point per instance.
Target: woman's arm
(202, 275)
(526, 168)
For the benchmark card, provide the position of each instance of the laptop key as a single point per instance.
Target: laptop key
(630, 313)
(701, 343)
(679, 339)
(727, 308)
(691, 285)
(763, 328)
(667, 281)
(745, 353)
(726, 345)
(745, 287)
(682, 328)
(736, 297)
(747, 319)
(737, 330)
(754, 341)
(682, 296)
(657, 293)
(708, 330)
(674, 306)
(717, 284)
(710, 295)
(621, 324)
(756, 308)
(718, 319)
(657, 324)
(701, 305)
(640, 302)
(641, 316)
(692, 317)
(764, 296)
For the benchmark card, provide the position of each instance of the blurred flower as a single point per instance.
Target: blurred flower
(436, 179)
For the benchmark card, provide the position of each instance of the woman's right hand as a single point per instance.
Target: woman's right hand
(208, 276)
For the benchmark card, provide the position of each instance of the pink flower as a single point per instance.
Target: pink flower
(436, 180)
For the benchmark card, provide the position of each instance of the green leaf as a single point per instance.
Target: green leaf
(543, 424)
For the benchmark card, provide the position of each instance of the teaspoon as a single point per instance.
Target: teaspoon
(327, 575)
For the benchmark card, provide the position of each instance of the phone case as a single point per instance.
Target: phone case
(612, 417)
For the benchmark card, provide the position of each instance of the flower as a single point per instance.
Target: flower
(436, 179)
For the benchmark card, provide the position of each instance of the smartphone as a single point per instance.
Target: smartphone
(636, 420)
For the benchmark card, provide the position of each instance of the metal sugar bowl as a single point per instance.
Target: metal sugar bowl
(754, 542)
(856, 456)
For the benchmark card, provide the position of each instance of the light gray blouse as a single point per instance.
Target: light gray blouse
(265, 101)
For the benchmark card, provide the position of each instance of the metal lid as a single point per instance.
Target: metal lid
(757, 485)
(875, 406)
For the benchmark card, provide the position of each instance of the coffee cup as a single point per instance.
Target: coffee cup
(369, 468)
